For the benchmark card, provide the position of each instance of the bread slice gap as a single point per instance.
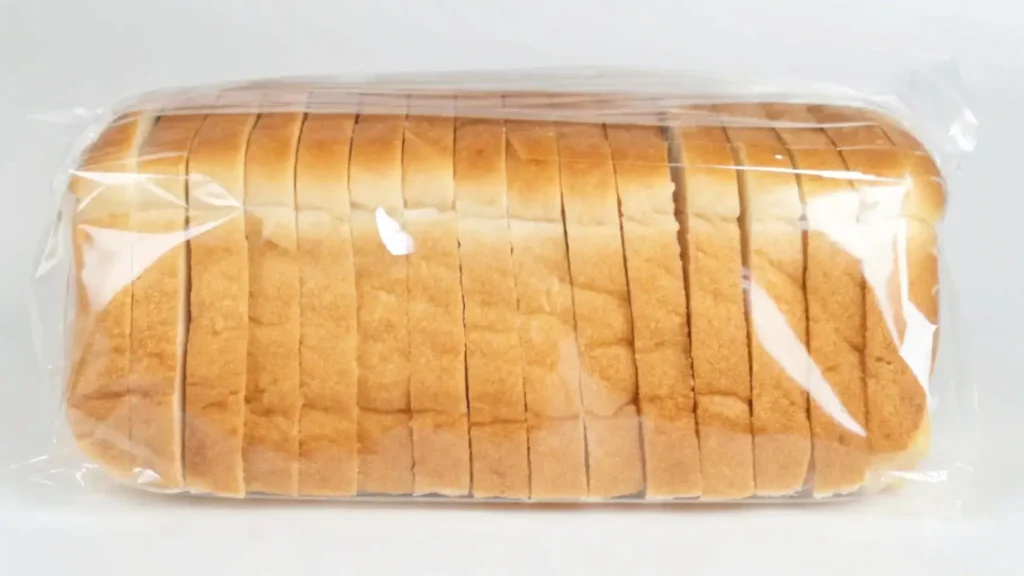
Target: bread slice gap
(780, 364)
(218, 334)
(328, 450)
(551, 369)
(98, 394)
(835, 306)
(380, 248)
(494, 359)
(273, 395)
(707, 208)
(603, 320)
(437, 355)
(160, 301)
(901, 203)
(657, 294)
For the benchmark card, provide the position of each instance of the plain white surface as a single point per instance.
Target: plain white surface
(59, 55)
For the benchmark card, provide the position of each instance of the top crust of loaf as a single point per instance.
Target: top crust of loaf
(485, 170)
(530, 196)
(907, 181)
(709, 165)
(429, 142)
(114, 152)
(322, 164)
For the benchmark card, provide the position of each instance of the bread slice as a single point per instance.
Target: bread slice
(437, 344)
(380, 246)
(551, 369)
(774, 254)
(218, 334)
(98, 395)
(835, 306)
(657, 294)
(328, 451)
(708, 210)
(160, 301)
(901, 203)
(603, 321)
(494, 359)
(273, 394)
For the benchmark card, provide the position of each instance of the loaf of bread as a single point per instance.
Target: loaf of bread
(328, 293)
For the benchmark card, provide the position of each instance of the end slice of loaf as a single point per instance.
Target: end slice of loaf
(160, 301)
(658, 303)
(328, 450)
(900, 207)
(215, 366)
(98, 395)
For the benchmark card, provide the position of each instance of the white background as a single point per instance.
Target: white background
(60, 55)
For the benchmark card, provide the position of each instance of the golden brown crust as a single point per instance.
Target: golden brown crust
(215, 366)
(551, 370)
(603, 320)
(98, 399)
(835, 307)
(375, 177)
(437, 357)
(328, 450)
(708, 208)
(160, 301)
(658, 302)
(494, 360)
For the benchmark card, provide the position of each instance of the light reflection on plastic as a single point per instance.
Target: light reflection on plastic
(395, 239)
(791, 355)
(114, 258)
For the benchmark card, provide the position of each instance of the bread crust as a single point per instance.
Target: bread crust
(160, 301)
(98, 395)
(328, 450)
(551, 369)
(708, 209)
(835, 306)
(215, 365)
(658, 303)
(603, 320)
(381, 268)
(494, 359)
(437, 358)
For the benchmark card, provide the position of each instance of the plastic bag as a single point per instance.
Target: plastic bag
(553, 286)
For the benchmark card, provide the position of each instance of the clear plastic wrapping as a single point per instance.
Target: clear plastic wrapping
(527, 287)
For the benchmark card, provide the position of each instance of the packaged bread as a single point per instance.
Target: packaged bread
(330, 290)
